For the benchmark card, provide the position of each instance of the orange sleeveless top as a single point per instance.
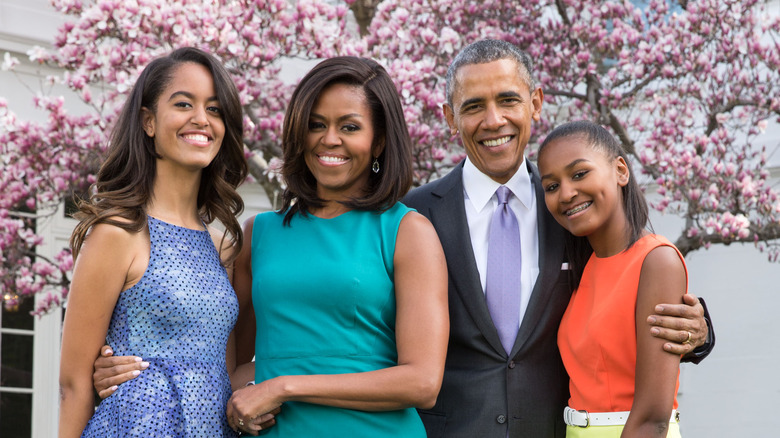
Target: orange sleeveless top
(597, 335)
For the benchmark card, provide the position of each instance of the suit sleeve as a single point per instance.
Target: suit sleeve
(700, 353)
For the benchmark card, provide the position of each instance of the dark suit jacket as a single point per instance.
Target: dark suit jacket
(484, 391)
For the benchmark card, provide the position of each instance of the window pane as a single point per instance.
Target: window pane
(19, 318)
(17, 361)
(16, 415)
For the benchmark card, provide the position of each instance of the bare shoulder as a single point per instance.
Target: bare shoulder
(663, 278)
(417, 237)
(112, 253)
(247, 226)
(244, 255)
(113, 235)
(663, 260)
(414, 223)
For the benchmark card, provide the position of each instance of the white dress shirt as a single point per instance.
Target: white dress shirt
(481, 201)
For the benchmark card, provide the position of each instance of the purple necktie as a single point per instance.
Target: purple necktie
(502, 288)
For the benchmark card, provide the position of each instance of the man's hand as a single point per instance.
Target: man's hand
(681, 324)
(112, 371)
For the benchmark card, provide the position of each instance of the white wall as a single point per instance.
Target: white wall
(736, 390)
(23, 24)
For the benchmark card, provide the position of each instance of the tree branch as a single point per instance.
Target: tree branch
(768, 232)
(641, 85)
(565, 94)
(628, 145)
(562, 10)
(364, 13)
(712, 119)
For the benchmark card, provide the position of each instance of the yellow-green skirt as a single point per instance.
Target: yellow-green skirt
(611, 431)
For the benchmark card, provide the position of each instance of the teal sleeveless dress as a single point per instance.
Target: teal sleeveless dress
(324, 303)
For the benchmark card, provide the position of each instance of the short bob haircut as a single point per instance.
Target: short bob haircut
(395, 162)
(634, 202)
(126, 177)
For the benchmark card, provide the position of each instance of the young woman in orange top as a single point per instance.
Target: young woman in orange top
(622, 383)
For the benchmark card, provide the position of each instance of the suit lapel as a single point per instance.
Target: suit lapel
(448, 216)
(551, 255)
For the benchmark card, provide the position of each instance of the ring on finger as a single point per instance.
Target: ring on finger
(688, 341)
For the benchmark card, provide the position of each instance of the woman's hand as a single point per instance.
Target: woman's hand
(254, 407)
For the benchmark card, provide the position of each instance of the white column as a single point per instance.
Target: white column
(46, 364)
(56, 230)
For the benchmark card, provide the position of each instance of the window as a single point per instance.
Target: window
(16, 372)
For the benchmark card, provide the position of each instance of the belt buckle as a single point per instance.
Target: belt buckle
(569, 417)
(587, 418)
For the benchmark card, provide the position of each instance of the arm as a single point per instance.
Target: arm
(243, 376)
(241, 345)
(243, 336)
(662, 279)
(100, 273)
(422, 329)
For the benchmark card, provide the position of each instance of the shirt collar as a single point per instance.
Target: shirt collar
(479, 188)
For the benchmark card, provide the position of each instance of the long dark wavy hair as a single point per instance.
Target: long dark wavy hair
(395, 177)
(125, 179)
(578, 249)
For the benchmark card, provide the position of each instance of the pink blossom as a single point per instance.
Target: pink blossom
(9, 62)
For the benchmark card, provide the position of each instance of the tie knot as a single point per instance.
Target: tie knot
(503, 193)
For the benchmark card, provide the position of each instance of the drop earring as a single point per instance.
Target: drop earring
(375, 166)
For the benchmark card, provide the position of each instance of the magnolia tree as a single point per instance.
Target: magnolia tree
(101, 51)
(687, 87)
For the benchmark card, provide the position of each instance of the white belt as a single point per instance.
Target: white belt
(573, 417)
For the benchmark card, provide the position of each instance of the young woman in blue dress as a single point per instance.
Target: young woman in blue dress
(149, 275)
(348, 285)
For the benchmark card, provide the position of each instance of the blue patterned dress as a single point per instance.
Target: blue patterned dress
(178, 318)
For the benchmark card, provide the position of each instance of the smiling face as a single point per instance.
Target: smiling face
(582, 190)
(339, 142)
(186, 124)
(492, 108)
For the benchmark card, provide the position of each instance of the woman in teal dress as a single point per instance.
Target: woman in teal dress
(348, 285)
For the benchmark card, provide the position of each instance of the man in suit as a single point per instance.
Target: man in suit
(494, 388)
